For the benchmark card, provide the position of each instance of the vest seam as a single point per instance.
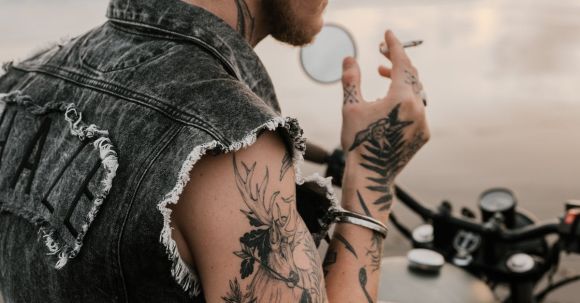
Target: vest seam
(225, 62)
(198, 123)
(136, 32)
(147, 164)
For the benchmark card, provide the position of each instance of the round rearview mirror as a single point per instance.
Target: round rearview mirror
(322, 60)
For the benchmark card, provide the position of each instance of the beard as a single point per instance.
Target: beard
(285, 24)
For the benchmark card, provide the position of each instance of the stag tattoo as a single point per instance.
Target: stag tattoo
(278, 253)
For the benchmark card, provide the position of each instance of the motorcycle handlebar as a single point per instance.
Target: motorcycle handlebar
(526, 233)
(319, 155)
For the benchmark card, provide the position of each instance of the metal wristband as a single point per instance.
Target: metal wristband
(345, 216)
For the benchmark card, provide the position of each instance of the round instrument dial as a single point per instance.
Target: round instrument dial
(497, 200)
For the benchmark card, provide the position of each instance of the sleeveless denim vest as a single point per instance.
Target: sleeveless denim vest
(98, 135)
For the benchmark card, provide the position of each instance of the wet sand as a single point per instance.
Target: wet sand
(502, 79)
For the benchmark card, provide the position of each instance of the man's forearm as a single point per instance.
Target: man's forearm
(352, 263)
(379, 138)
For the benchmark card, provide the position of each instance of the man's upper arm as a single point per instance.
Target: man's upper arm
(239, 220)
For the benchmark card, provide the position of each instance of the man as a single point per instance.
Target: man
(147, 161)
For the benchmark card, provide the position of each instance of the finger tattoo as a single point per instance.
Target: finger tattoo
(350, 94)
(412, 80)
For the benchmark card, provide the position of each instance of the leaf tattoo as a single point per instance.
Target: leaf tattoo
(363, 204)
(347, 244)
(286, 165)
(362, 277)
(379, 132)
(235, 293)
(384, 150)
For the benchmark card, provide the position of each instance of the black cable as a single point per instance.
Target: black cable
(400, 227)
(542, 295)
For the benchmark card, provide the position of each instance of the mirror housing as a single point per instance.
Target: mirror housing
(322, 60)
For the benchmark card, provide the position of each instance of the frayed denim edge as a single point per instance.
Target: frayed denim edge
(185, 275)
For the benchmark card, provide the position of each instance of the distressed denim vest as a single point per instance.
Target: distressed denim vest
(98, 135)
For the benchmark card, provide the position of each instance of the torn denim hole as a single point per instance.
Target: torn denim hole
(186, 275)
(109, 161)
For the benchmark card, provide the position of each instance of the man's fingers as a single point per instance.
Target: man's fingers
(385, 71)
(396, 52)
(351, 80)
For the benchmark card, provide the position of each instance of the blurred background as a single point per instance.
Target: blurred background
(502, 79)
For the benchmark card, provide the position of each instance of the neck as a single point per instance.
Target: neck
(245, 16)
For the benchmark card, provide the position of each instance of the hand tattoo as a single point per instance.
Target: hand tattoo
(351, 94)
(416, 85)
(384, 146)
(412, 80)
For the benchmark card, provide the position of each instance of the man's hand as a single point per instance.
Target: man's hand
(380, 137)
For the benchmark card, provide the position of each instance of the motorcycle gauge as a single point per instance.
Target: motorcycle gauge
(498, 200)
(425, 260)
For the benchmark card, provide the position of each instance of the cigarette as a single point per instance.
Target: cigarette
(384, 49)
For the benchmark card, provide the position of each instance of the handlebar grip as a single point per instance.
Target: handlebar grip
(316, 154)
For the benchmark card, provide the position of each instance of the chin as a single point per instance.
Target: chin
(318, 26)
(300, 34)
(295, 22)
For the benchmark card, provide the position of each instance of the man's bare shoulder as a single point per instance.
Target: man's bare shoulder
(239, 223)
(214, 175)
(269, 146)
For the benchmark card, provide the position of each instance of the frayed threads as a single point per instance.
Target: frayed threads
(324, 182)
(186, 277)
(107, 155)
(78, 128)
(55, 248)
(16, 97)
(110, 163)
(51, 244)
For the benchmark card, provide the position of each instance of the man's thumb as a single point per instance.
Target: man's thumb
(351, 81)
